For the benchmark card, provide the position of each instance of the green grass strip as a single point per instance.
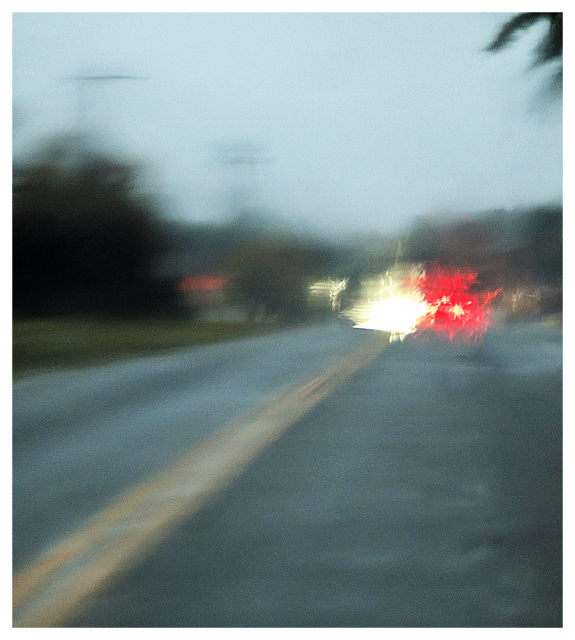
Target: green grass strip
(63, 342)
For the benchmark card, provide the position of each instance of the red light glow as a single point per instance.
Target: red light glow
(451, 309)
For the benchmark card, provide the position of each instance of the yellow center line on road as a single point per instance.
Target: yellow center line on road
(49, 591)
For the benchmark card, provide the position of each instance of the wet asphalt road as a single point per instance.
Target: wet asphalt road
(83, 437)
(425, 492)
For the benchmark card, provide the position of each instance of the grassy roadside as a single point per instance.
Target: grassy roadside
(50, 344)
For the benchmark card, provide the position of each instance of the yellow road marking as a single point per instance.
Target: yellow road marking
(48, 591)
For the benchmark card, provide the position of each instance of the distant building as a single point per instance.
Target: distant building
(200, 292)
(209, 298)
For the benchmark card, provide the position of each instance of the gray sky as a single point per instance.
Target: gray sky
(368, 120)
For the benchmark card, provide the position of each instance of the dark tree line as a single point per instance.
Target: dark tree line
(84, 241)
(273, 275)
(505, 247)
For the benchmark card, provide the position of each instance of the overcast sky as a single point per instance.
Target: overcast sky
(362, 121)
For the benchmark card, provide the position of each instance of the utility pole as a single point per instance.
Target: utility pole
(239, 157)
(82, 84)
(398, 252)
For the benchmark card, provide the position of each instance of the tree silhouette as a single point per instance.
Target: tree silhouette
(84, 239)
(550, 48)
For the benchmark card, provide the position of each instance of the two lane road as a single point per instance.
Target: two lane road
(423, 492)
